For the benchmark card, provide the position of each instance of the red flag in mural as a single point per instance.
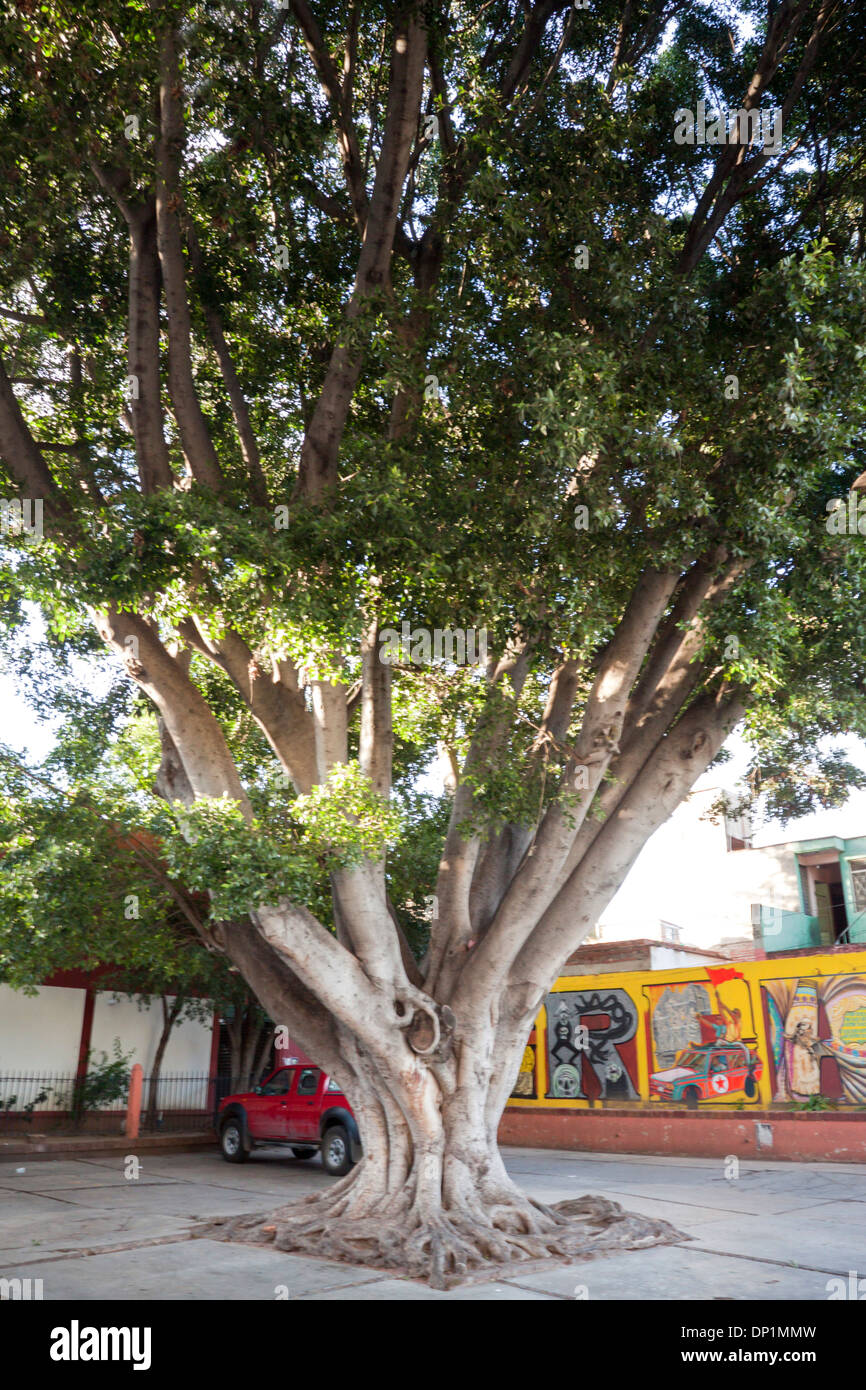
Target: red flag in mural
(725, 972)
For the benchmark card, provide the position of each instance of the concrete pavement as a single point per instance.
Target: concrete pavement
(763, 1230)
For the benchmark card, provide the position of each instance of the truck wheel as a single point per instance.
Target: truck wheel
(691, 1096)
(336, 1151)
(303, 1152)
(232, 1142)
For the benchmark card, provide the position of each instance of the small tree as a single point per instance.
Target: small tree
(103, 1082)
(105, 900)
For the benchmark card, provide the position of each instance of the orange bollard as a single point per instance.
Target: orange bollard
(133, 1103)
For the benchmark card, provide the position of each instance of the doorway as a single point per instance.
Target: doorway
(825, 897)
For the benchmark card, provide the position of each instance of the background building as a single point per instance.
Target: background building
(51, 1031)
(702, 882)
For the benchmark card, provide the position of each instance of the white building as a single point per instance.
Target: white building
(701, 881)
(51, 1031)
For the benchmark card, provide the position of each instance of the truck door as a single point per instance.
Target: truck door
(304, 1105)
(268, 1112)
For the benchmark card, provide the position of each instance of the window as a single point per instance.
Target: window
(858, 880)
(308, 1082)
(334, 1086)
(280, 1083)
(671, 933)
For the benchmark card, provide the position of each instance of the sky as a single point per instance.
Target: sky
(19, 727)
(846, 821)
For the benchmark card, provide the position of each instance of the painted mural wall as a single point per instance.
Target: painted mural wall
(752, 1034)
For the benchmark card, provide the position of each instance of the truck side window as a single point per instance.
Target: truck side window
(308, 1082)
(280, 1083)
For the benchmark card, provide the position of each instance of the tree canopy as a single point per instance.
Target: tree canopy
(321, 325)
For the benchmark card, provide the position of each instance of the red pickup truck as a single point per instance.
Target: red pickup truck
(299, 1106)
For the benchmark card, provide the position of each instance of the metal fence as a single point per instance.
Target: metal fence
(178, 1103)
(58, 1103)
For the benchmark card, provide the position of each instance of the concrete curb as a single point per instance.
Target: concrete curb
(59, 1146)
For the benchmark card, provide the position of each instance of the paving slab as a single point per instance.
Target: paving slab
(72, 1229)
(813, 1242)
(752, 1191)
(673, 1170)
(730, 1201)
(675, 1272)
(26, 1206)
(191, 1269)
(407, 1291)
(195, 1201)
(267, 1171)
(517, 1155)
(62, 1176)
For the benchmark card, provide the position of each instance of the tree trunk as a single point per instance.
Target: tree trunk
(169, 1018)
(243, 1066)
(431, 1197)
(250, 1043)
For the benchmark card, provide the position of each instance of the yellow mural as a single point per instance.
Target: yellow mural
(748, 1034)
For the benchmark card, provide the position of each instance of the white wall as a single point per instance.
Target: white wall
(686, 875)
(189, 1047)
(40, 1033)
(666, 958)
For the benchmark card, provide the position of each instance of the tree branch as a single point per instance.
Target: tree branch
(672, 770)
(319, 453)
(195, 437)
(732, 173)
(452, 928)
(377, 733)
(339, 97)
(278, 710)
(18, 448)
(258, 491)
(597, 742)
(192, 725)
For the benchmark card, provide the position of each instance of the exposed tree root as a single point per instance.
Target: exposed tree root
(442, 1247)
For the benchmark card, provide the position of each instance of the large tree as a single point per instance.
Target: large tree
(319, 320)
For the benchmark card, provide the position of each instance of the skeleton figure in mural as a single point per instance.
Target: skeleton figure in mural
(598, 1021)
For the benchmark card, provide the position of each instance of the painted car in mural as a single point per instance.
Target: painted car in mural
(709, 1071)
